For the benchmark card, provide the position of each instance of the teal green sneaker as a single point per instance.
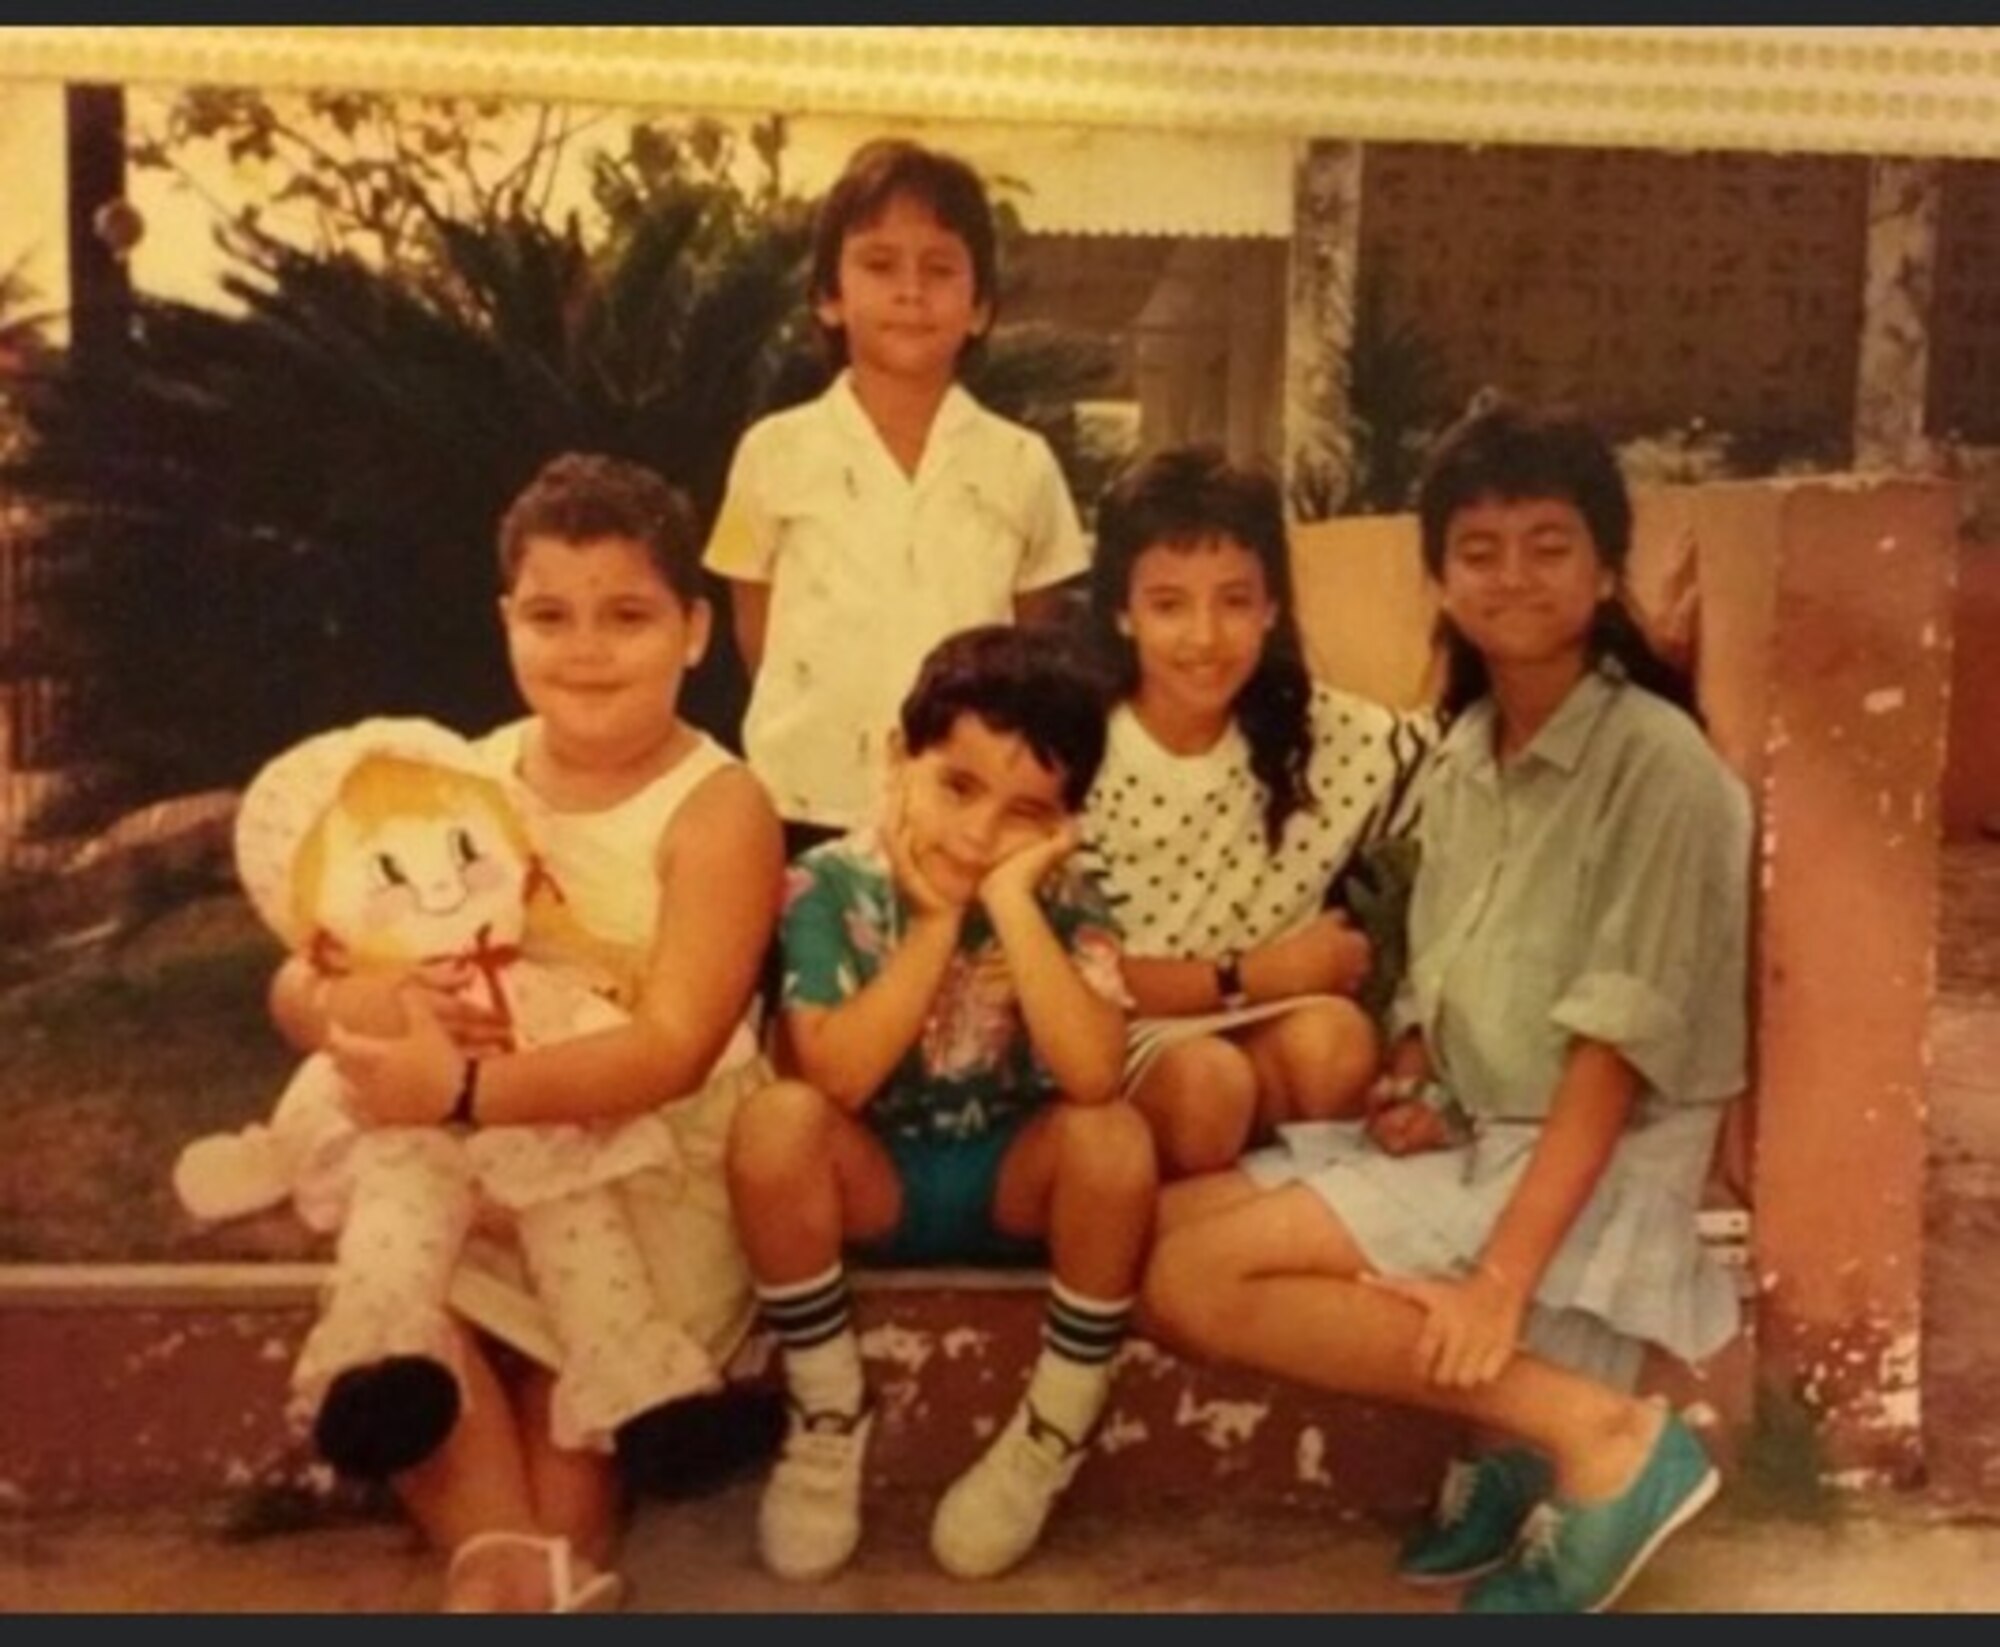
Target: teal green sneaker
(1578, 1558)
(1480, 1507)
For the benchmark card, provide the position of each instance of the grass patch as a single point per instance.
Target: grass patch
(111, 1060)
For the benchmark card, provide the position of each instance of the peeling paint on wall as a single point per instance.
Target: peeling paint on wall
(1310, 1458)
(162, 1349)
(1224, 1424)
(965, 1341)
(1859, 1480)
(1865, 1376)
(899, 1346)
(1119, 1431)
(1141, 1353)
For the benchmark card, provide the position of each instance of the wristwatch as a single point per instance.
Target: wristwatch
(1229, 982)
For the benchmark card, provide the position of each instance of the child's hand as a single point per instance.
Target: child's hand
(1472, 1326)
(477, 1031)
(408, 1080)
(1020, 874)
(373, 1003)
(1409, 1113)
(1407, 1126)
(1326, 955)
(918, 888)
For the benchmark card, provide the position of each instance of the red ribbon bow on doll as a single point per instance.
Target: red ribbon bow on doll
(486, 961)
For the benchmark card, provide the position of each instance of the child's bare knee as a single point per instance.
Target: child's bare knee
(1331, 1053)
(1201, 1138)
(777, 1130)
(1207, 1065)
(1202, 1112)
(1176, 1295)
(1107, 1148)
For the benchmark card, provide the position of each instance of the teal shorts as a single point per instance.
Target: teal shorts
(948, 1186)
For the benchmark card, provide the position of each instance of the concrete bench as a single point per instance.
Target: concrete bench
(146, 1384)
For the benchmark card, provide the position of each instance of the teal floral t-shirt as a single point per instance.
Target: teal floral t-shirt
(972, 1068)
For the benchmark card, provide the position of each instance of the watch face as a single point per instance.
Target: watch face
(1229, 982)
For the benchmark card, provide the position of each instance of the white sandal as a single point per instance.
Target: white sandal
(601, 1593)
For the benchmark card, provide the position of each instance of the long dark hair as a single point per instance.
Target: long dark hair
(1187, 498)
(1513, 453)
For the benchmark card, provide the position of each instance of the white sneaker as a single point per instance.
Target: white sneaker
(810, 1519)
(993, 1514)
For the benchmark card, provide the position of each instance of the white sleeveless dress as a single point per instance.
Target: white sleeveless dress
(603, 862)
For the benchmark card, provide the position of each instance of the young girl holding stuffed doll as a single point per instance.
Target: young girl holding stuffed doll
(668, 857)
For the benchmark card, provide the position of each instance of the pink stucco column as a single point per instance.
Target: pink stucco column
(1859, 668)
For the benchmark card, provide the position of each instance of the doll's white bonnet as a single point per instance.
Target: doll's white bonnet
(288, 796)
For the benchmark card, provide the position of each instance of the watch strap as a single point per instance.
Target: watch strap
(468, 1096)
(1229, 982)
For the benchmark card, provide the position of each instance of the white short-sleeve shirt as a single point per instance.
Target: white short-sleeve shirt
(1596, 885)
(869, 568)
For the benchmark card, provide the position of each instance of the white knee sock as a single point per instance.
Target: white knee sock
(814, 1323)
(1072, 1378)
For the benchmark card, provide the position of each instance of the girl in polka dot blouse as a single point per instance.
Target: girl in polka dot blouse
(1235, 794)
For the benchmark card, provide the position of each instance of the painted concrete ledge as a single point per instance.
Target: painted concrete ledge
(133, 1385)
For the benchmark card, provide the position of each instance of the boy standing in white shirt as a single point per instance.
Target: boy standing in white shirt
(861, 528)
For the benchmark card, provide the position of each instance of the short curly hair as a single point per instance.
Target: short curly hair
(580, 496)
(1026, 682)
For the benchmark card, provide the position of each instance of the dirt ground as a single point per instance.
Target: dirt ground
(698, 1559)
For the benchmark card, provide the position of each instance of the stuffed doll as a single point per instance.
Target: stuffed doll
(381, 847)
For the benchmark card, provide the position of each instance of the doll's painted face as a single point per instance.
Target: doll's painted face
(402, 879)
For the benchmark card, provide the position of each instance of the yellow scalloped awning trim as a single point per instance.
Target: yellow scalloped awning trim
(1888, 90)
